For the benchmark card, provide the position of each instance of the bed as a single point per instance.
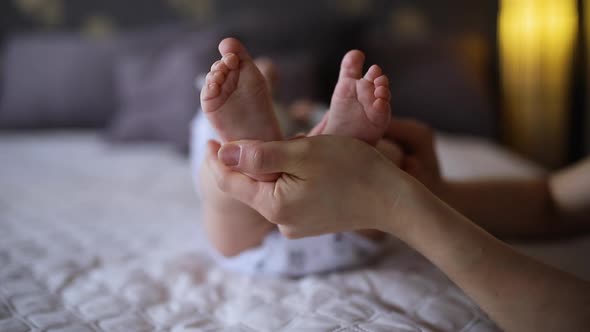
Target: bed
(95, 237)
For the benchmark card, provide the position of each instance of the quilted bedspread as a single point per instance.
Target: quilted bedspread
(101, 238)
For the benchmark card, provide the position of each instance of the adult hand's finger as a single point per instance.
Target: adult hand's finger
(254, 157)
(411, 134)
(319, 128)
(391, 150)
(236, 184)
(420, 159)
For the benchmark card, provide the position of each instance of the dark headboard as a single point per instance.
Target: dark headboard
(446, 17)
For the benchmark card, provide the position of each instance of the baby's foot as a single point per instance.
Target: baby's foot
(236, 98)
(360, 105)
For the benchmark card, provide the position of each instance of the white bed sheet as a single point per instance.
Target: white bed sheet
(101, 238)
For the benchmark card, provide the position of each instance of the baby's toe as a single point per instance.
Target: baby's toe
(215, 77)
(352, 65)
(381, 81)
(209, 91)
(220, 66)
(231, 61)
(381, 111)
(233, 46)
(379, 114)
(383, 93)
(214, 65)
(373, 72)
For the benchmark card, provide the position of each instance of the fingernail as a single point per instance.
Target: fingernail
(229, 154)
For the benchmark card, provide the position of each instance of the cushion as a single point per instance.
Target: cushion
(56, 80)
(156, 92)
(52, 80)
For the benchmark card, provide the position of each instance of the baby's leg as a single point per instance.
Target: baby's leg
(237, 103)
(231, 226)
(360, 107)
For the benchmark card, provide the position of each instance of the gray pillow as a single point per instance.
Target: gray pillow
(56, 80)
(156, 94)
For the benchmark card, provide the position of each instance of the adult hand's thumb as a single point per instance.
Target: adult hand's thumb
(254, 157)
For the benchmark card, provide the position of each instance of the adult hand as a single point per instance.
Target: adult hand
(328, 184)
(419, 156)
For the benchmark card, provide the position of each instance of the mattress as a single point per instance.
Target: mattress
(95, 237)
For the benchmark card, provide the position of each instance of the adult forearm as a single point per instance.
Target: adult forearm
(519, 293)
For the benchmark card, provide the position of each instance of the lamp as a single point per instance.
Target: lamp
(587, 21)
(537, 39)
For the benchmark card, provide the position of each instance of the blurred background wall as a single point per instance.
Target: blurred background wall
(443, 57)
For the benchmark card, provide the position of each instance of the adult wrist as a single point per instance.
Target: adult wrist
(423, 220)
(409, 203)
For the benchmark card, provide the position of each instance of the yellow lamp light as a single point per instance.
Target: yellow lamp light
(587, 127)
(537, 40)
